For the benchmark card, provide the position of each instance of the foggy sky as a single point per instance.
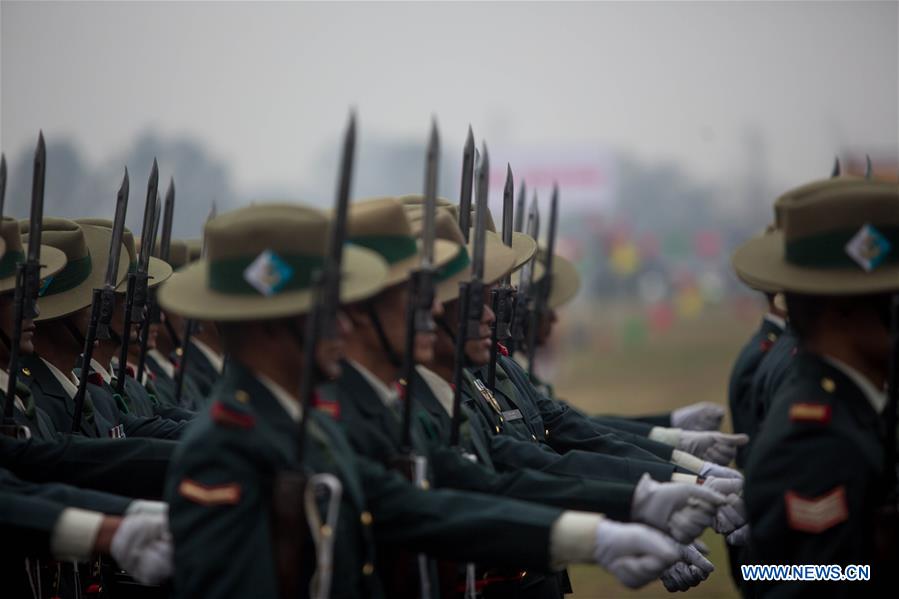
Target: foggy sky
(267, 86)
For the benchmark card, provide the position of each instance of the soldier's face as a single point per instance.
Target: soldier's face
(478, 350)
(7, 314)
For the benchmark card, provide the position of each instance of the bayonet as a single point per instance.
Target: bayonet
(468, 161)
(519, 208)
(136, 293)
(835, 172)
(524, 295)
(168, 216)
(869, 170)
(27, 285)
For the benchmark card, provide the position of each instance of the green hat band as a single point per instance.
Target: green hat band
(8, 263)
(292, 272)
(828, 250)
(392, 248)
(454, 266)
(75, 273)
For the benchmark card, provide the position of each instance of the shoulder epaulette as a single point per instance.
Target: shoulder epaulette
(231, 416)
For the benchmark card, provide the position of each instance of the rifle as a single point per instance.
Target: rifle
(545, 286)
(102, 301)
(27, 286)
(136, 293)
(165, 250)
(151, 316)
(502, 297)
(524, 296)
(292, 484)
(190, 326)
(471, 293)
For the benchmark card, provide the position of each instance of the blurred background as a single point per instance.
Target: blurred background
(670, 127)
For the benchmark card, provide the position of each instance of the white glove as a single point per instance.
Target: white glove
(142, 545)
(681, 510)
(725, 486)
(147, 506)
(687, 573)
(633, 553)
(739, 537)
(702, 416)
(714, 470)
(720, 448)
(731, 516)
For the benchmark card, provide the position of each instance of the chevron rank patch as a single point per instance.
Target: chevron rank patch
(268, 273)
(230, 417)
(226, 494)
(810, 412)
(816, 514)
(868, 248)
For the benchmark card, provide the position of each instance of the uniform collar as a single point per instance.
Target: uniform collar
(166, 366)
(776, 320)
(63, 380)
(98, 368)
(877, 398)
(287, 400)
(215, 358)
(442, 390)
(388, 396)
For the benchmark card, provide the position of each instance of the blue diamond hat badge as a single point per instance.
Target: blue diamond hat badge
(868, 248)
(268, 273)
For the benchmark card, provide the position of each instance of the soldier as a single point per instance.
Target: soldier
(816, 474)
(27, 413)
(255, 283)
(59, 341)
(368, 403)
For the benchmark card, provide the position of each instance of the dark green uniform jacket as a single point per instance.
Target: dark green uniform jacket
(743, 411)
(117, 410)
(771, 373)
(220, 497)
(814, 480)
(202, 374)
(369, 424)
(518, 440)
(640, 425)
(130, 467)
(528, 413)
(52, 397)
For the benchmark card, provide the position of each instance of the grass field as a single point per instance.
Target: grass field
(689, 362)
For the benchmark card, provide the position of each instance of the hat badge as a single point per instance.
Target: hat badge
(868, 248)
(268, 273)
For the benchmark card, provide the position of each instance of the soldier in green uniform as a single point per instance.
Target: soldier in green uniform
(815, 477)
(59, 341)
(136, 398)
(255, 284)
(369, 405)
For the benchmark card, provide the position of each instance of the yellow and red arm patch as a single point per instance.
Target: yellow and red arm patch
(228, 416)
(225, 494)
(816, 514)
(810, 412)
